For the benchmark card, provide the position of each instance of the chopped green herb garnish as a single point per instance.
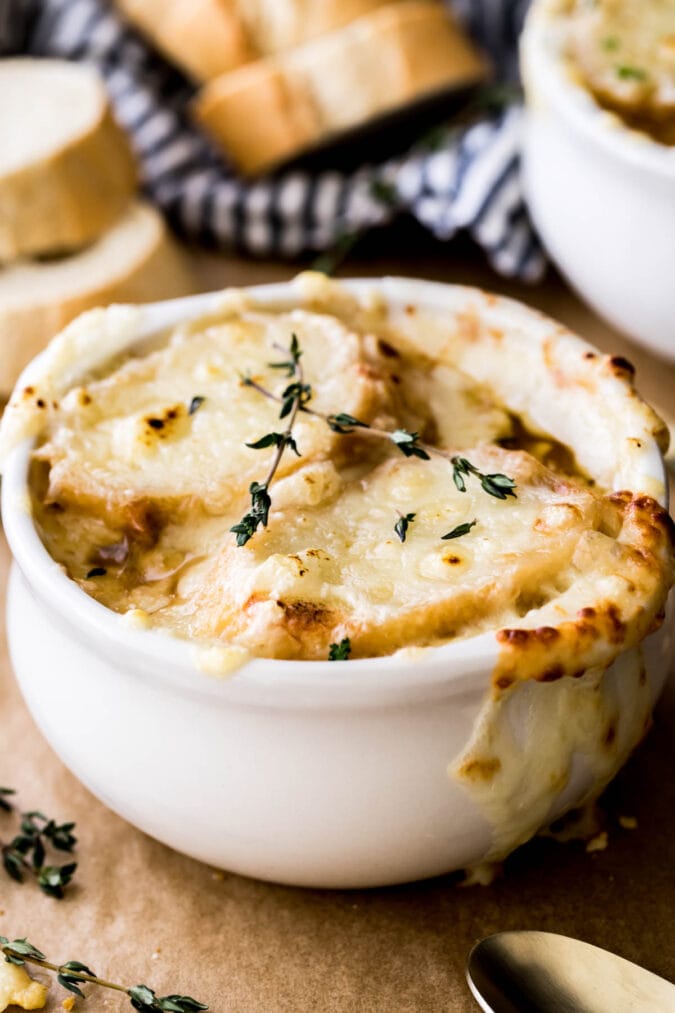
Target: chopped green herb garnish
(341, 651)
(631, 73)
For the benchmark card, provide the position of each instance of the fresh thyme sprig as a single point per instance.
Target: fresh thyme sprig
(402, 524)
(341, 651)
(25, 855)
(409, 444)
(73, 973)
(294, 398)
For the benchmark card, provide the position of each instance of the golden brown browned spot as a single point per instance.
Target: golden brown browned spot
(616, 626)
(164, 424)
(451, 559)
(411, 310)
(305, 616)
(621, 366)
(513, 636)
(28, 391)
(481, 769)
(468, 326)
(256, 598)
(84, 398)
(504, 681)
(387, 349)
(590, 355)
(41, 403)
(551, 674)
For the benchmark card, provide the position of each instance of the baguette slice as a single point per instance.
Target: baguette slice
(66, 169)
(277, 108)
(134, 261)
(207, 38)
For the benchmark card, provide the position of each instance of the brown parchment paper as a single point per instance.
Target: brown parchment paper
(139, 912)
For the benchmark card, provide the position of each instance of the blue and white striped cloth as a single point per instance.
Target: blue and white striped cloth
(469, 180)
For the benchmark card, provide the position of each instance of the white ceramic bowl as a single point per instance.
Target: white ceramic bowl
(602, 195)
(316, 773)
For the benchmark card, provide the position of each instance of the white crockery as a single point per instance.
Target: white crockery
(602, 195)
(308, 773)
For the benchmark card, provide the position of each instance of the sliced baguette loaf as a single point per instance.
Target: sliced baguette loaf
(66, 169)
(210, 37)
(277, 108)
(134, 261)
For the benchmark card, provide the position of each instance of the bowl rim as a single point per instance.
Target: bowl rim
(543, 68)
(412, 674)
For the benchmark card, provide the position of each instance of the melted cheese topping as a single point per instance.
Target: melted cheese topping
(626, 54)
(135, 496)
(128, 443)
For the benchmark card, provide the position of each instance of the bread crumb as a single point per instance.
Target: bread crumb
(628, 822)
(17, 988)
(68, 1003)
(597, 843)
(218, 874)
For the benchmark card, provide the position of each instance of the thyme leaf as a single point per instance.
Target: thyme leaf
(459, 531)
(409, 444)
(25, 855)
(5, 805)
(344, 423)
(402, 524)
(499, 486)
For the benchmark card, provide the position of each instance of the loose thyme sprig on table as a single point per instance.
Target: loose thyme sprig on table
(25, 854)
(74, 973)
(295, 398)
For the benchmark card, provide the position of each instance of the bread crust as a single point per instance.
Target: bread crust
(206, 38)
(277, 108)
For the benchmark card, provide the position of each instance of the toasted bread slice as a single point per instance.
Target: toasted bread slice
(319, 574)
(66, 168)
(135, 447)
(134, 261)
(211, 37)
(277, 108)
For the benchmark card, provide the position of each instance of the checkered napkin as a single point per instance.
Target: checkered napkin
(467, 179)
